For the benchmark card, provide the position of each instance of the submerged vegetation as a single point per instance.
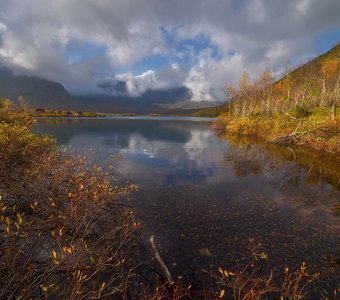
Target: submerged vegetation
(300, 109)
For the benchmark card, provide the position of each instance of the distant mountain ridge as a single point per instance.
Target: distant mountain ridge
(36, 91)
(149, 102)
(41, 93)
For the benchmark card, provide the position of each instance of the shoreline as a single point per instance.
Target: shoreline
(314, 133)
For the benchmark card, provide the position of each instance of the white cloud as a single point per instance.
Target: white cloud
(166, 78)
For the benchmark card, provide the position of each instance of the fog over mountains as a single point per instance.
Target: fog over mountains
(47, 94)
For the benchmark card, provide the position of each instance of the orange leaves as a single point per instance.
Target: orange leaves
(225, 272)
(33, 205)
(102, 286)
(80, 276)
(44, 288)
(54, 257)
(68, 250)
(2, 205)
(7, 222)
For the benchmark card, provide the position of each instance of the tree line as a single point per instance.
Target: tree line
(307, 88)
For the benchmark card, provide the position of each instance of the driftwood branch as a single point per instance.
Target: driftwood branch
(295, 133)
(160, 260)
(291, 135)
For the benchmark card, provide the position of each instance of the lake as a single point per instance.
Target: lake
(209, 199)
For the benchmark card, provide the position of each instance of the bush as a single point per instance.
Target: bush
(64, 233)
(299, 112)
(221, 123)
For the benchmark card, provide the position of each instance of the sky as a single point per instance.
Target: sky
(162, 44)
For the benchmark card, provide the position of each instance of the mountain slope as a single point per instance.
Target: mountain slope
(304, 83)
(36, 91)
(46, 94)
(313, 67)
(300, 109)
(149, 102)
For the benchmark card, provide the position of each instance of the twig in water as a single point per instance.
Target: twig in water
(160, 260)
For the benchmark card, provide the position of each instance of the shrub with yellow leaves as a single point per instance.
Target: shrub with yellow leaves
(64, 232)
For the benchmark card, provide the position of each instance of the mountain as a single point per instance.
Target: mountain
(212, 111)
(314, 67)
(37, 92)
(41, 93)
(150, 101)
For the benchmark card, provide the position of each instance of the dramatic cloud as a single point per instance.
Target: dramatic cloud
(153, 44)
(166, 78)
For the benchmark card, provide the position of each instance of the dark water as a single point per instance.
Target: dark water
(205, 198)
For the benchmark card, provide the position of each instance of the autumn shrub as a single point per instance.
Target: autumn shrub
(175, 290)
(298, 111)
(255, 126)
(252, 282)
(15, 116)
(221, 123)
(65, 233)
(314, 129)
(249, 284)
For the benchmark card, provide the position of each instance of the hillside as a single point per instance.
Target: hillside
(302, 108)
(300, 76)
(211, 112)
(36, 91)
(313, 67)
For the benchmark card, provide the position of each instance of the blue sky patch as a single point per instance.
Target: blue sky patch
(326, 40)
(78, 51)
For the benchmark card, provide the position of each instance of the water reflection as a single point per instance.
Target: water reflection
(198, 191)
(296, 166)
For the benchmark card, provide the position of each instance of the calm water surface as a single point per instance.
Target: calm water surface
(205, 197)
